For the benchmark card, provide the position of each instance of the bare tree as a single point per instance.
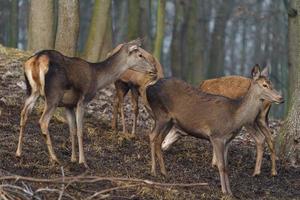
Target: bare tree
(68, 27)
(97, 30)
(160, 28)
(289, 139)
(40, 30)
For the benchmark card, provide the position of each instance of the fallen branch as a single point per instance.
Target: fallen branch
(93, 179)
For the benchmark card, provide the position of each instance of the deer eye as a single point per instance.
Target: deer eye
(265, 85)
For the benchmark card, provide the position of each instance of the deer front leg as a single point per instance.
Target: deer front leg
(259, 141)
(71, 118)
(135, 103)
(221, 155)
(79, 123)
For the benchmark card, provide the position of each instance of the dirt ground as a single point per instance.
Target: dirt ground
(110, 154)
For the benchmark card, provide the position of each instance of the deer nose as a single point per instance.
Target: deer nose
(281, 100)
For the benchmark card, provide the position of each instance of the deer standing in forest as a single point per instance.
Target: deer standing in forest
(135, 82)
(212, 117)
(72, 82)
(235, 87)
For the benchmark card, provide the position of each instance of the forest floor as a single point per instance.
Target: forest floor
(111, 155)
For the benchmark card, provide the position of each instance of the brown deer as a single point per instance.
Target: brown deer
(72, 82)
(235, 87)
(212, 117)
(135, 82)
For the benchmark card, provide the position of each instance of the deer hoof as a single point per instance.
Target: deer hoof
(274, 173)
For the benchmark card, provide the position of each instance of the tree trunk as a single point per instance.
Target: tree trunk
(133, 19)
(14, 25)
(97, 30)
(107, 45)
(41, 35)
(68, 27)
(160, 28)
(289, 138)
(216, 55)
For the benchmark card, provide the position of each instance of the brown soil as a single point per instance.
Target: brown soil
(111, 154)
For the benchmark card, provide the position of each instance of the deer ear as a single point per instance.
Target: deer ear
(132, 48)
(265, 72)
(255, 72)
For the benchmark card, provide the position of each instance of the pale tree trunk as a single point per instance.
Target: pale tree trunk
(217, 54)
(289, 138)
(41, 35)
(97, 30)
(145, 26)
(160, 28)
(68, 27)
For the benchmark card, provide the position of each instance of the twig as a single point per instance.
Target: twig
(62, 185)
(110, 190)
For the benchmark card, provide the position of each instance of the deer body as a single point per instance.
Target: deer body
(235, 87)
(135, 82)
(213, 117)
(72, 83)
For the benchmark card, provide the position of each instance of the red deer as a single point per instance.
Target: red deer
(72, 82)
(135, 82)
(207, 116)
(235, 87)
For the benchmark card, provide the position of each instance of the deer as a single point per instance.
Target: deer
(235, 87)
(72, 82)
(212, 117)
(136, 82)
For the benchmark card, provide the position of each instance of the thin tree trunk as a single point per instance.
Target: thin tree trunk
(14, 24)
(289, 138)
(68, 27)
(160, 28)
(133, 19)
(107, 45)
(41, 35)
(97, 30)
(216, 55)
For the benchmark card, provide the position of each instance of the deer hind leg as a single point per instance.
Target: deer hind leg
(221, 156)
(71, 118)
(27, 108)
(135, 103)
(44, 124)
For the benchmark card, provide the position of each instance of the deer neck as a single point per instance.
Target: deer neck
(248, 108)
(109, 70)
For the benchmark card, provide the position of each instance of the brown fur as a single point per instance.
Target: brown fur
(72, 82)
(135, 82)
(213, 117)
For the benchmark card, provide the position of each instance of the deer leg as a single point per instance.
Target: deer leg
(71, 118)
(79, 123)
(214, 160)
(164, 129)
(44, 124)
(220, 151)
(260, 141)
(27, 108)
(121, 90)
(262, 125)
(135, 103)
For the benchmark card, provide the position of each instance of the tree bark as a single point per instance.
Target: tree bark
(217, 51)
(133, 19)
(289, 138)
(107, 45)
(160, 28)
(14, 25)
(41, 35)
(68, 27)
(97, 30)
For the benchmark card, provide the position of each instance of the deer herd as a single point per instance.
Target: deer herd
(216, 111)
